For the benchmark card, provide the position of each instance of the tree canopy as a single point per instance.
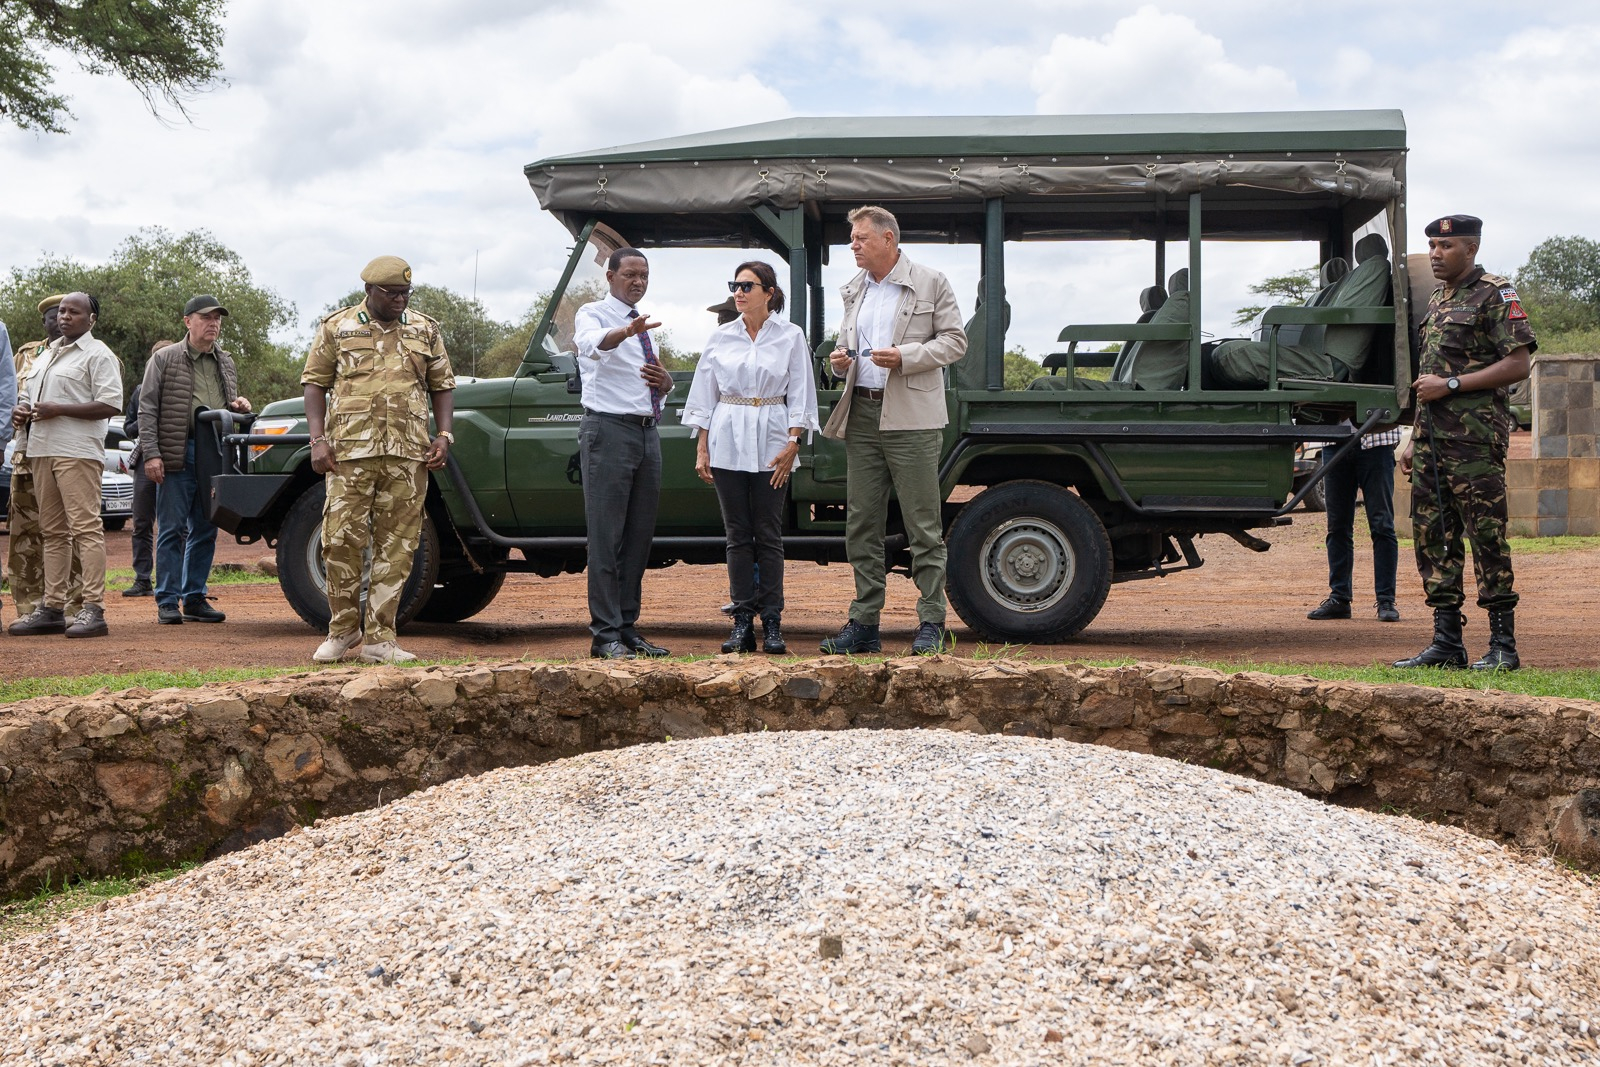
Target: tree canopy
(1560, 288)
(1295, 287)
(142, 289)
(165, 49)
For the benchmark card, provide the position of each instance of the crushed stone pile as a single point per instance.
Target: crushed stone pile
(831, 898)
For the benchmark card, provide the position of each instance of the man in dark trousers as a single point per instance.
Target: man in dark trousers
(1476, 344)
(144, 499)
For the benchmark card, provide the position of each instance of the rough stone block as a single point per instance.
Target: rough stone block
(114, 726)
(295, 759)
(1577, 830)
(137, 787)
(802, 688)
(435, 692)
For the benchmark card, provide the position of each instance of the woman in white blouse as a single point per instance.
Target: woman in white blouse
(754, 396)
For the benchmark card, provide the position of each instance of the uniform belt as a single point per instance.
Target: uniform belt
(646, 421)
(870, 394)
(752, 401)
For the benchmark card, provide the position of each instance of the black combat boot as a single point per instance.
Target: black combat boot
(743, 638)
(772, 642)
(1447, 649)
(1502, 654)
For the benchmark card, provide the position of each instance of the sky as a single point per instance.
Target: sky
(353, 129)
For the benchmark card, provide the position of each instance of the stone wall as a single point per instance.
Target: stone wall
(96, 785)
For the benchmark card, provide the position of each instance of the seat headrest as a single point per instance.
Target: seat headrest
(1334, 269)
(1152, 298)
(1370, 246)
(1179, 282)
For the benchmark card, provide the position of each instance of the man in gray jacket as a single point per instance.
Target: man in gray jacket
(182, 379)
(901, 328)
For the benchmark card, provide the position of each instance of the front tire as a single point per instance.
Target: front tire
(461, 598)
(305, 581)
(1029, 563)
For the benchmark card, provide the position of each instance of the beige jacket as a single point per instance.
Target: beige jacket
(927, 331)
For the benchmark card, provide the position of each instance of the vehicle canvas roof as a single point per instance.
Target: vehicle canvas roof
(1315, 159)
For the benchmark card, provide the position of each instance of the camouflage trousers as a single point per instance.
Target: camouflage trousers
(1458, 494)
(374, 502)
(25, 552)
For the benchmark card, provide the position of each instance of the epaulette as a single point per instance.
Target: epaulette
(1495, 280)
(340, 311)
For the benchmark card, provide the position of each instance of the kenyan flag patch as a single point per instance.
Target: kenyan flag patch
(1513, 303)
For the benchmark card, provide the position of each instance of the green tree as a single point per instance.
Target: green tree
(469, 332)
(502, 360)
(166, 49)
(1020, 368)
(142, 289)
(1295, 287)
(1560, 286)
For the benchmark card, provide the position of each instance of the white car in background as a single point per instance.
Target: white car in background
(116, 481)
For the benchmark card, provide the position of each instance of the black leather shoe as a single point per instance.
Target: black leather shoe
(743, 638)
(169, 615)
(1502, 654)
(140, 587)
(1331, 608)
(195, 609)
(611, 650)
(1446, 650)
(640, 647)
(931, 638)
(855, 637)
(772, 642)
(1387, 612)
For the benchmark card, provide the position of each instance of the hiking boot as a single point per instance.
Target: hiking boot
(385, 652)
(89, 622)
(931, 638)
(140, 587)
(855, 637)
(169, 615)
(195, 609)
(335, 649)
(1502, 654)
(41, 620)
(1446, 649)
(772, 642)
(1331, 608)
(743, 638)
(1387, 612)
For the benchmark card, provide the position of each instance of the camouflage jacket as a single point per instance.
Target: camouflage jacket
(1467, 328)
(381, 376)
(25, 356)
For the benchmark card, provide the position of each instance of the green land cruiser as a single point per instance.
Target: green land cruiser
(1054, 491)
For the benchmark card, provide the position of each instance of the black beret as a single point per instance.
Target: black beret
(1455, 226)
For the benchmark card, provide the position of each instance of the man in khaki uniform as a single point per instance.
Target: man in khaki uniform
(25, 551)
(384, 367)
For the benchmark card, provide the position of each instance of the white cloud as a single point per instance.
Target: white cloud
(1153, 61)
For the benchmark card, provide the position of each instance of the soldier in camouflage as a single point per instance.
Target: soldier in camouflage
(1476, 344)
(26, 549)
(374, 371)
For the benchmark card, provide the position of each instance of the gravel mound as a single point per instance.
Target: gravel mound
(812, 898)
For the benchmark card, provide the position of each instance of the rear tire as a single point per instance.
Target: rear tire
(461, 598)
(305, 581)
(1029, 563)
(1317, 499)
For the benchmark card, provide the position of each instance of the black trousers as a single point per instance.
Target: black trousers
(752, 515)
(621, 461)
(144, 524)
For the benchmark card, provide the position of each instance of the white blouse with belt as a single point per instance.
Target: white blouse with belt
(748, 393)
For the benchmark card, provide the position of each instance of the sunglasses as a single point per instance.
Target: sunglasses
(742, 287)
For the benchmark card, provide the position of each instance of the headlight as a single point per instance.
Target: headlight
(270, 426)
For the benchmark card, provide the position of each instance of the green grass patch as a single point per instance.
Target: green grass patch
(222, 574)
(51, 904)
(16, 689)
(1533, 546)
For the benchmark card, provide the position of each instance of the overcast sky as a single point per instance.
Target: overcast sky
(353, 129)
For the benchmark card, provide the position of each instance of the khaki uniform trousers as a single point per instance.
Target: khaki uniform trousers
(69, 519)
(25, 548)
(374, 502)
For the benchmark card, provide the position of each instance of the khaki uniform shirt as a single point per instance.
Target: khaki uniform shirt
(84, 371)
(25, 357)
(380, 376)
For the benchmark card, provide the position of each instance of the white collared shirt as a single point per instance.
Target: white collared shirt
(875, 328)
(611, 379)
(84, 371)
(776, 364)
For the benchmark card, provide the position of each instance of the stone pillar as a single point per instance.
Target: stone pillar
(1564, 489)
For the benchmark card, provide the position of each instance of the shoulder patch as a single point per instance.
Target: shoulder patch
(1508, 293)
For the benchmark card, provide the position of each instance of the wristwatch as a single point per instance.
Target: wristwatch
(1453, 384)
(447, 435)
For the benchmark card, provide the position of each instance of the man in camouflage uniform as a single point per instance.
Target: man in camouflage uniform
(1476, 344)
(25, 551)
(383, 366)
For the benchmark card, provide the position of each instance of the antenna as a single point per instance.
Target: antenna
(474, 317)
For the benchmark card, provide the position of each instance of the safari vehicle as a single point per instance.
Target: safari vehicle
(1054, 492)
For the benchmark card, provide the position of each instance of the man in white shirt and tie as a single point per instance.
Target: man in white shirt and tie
(624, 388)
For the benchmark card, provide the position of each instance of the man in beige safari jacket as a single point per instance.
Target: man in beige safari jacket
(901, 327)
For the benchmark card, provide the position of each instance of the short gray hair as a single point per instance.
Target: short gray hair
(880, 218)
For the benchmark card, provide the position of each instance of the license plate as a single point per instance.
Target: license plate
(111, 503)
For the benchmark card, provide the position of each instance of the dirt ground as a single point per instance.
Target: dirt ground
(1240, 606)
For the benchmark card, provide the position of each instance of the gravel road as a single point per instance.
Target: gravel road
(814, 898)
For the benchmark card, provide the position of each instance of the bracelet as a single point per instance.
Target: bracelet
(322, 440)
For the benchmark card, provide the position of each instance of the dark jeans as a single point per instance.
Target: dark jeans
(144, 524)
(186, 540)
(1372, 471)
(621, 462)
(752, 515)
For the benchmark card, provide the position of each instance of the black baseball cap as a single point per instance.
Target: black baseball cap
(203, 303)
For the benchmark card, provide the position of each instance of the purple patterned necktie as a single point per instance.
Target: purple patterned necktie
(656, 395)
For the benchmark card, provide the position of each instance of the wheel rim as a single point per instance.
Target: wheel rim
(1028, 564)
(319, 571)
